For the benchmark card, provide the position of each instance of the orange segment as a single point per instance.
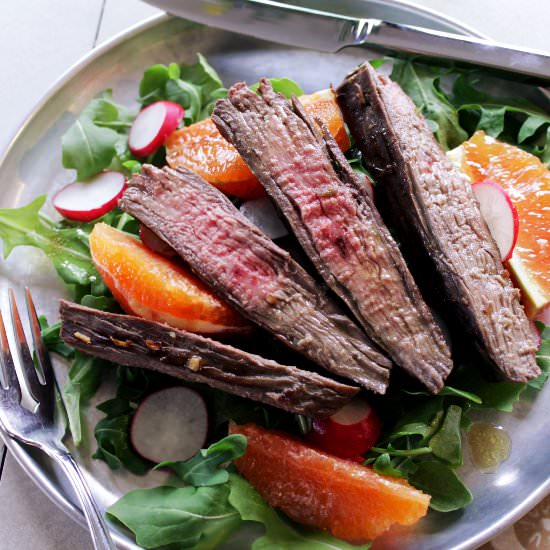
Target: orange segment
(527, 180)
(322, 105)
(151, 286)
(202, 148)
(320, 490)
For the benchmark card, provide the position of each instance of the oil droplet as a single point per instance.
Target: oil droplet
(490, 445)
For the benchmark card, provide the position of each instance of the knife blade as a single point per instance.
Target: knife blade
(319, 30)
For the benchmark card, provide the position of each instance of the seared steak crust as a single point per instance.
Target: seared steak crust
(337, 224)
(135, 342)
(254, 275)
(432, 205)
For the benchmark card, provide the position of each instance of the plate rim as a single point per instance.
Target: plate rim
(21, 452)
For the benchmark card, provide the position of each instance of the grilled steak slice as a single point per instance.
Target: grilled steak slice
(432, 206)
(135, 342)
(253, 274)
(336, 222)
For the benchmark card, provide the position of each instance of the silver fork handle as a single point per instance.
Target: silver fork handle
(94, 518)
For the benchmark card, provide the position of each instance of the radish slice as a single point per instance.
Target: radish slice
(152, 125)
(170, 424)
(349, 433)
(263, 215)
(85, 201)
(500, 214)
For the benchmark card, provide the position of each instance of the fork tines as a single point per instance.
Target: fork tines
(37, 382)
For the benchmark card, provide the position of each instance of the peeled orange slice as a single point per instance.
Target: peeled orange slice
(320, 490)
(202, 148)
(527, 181)
(151, 286)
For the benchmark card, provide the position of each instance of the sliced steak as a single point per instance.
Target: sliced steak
(433, 208)
(254, 275)
(135, 342)
(337, 224)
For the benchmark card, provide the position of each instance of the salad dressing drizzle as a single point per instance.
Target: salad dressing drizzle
(490, 445)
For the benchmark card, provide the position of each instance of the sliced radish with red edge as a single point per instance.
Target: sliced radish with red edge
(170, 424)
(499, 214)
(152, 126)
(349, 433)
(88, 200)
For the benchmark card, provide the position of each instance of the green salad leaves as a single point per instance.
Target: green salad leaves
(195, 87)
(98, 140)
(203, 470)
(456, 103)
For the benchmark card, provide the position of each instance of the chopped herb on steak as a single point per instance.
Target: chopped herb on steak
(433, 208)
(136, 342)
(337, 224)
(250, 272)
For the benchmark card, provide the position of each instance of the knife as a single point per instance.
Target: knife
(319, 30)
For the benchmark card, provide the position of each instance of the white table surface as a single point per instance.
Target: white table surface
(39, 40)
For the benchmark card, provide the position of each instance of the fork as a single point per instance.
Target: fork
(37, 427)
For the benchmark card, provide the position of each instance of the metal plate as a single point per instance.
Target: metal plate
(32, 165)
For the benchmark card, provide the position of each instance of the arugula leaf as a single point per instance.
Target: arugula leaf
(52, 340)
(84, 378)
(284, 86)
(383, 465)
(279, 533)
(203, 76)
(99, 138)
(104, 112)
(88, 148)
(195, 87)
(522, 118)
(104, 303)
(446, 444)
(204, 468)
(151, 87)
(543, 358)
(113, 441)
(422, 83)
(439, 480)
(112, 432)
(66, 246)
(189, 517)
(453, 116)
(494, 395)
(66, 243)
(422, 420)
(455, 392)
(414, 451)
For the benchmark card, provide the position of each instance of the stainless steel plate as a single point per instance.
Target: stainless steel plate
(32, 165)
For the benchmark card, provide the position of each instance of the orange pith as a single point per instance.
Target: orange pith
(527, 180)
(202, 148)
(317, 489)
(150, 286)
